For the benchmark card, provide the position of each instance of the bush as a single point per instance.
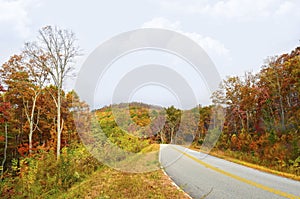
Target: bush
(42, 175)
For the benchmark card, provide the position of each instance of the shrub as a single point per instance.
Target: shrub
(42, 175)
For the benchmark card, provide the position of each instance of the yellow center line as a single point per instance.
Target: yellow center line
(275, 191)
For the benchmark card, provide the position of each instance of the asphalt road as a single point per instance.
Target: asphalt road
(200, 175)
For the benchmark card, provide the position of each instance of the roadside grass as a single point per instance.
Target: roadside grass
(222, 155)
(150, 148)
(79, 175)
(145, 160)
(110, 183)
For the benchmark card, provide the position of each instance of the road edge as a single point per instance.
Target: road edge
(250, 165)
(165, 173)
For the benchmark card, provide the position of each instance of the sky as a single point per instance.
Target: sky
(238, 35)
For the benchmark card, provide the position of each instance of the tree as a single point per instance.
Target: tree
(77, 117)
(4, 115)
(37, 78)
(263, 111)
(59, 48)
(25, 80)
(173, 117)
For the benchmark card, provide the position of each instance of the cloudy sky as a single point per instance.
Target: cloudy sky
(238, 35)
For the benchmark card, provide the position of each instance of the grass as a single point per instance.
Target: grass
(79, 175)
(109, 183)
(222, 155)
(145, 160)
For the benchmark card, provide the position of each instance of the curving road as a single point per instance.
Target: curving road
(217, 178)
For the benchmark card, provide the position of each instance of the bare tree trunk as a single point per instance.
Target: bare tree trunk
(161, 137)
(30, 119)
(241, 118)
(58, 123)
(172, 132)
(282, 115)
(5, 150)
(247, 124)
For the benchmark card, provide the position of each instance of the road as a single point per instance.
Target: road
(200, 175)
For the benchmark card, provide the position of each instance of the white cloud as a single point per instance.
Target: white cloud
(234, 9)
(14, 13)
(160, 22)
(287, 7)
(212, 46)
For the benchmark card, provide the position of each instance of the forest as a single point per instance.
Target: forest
(262, 114)
(41, 124)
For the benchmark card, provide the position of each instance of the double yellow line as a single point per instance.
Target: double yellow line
(263, 187)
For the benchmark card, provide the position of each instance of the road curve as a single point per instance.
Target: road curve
(200, 175)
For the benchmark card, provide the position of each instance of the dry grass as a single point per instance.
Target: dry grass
(109, 183)
(146, 160)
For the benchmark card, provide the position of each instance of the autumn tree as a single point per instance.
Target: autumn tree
(4, 116)
(25, 81)
(78, 116)
(173, 117)
(15, 79)
(262, 111)
(60, 49)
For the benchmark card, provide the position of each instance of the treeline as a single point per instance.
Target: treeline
(146, 122)
(40, 149)
(35, 112)
(260, 121)
(263, 114)
(261, 124)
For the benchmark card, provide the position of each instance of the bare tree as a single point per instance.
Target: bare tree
(38, 77)
(58, 49)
